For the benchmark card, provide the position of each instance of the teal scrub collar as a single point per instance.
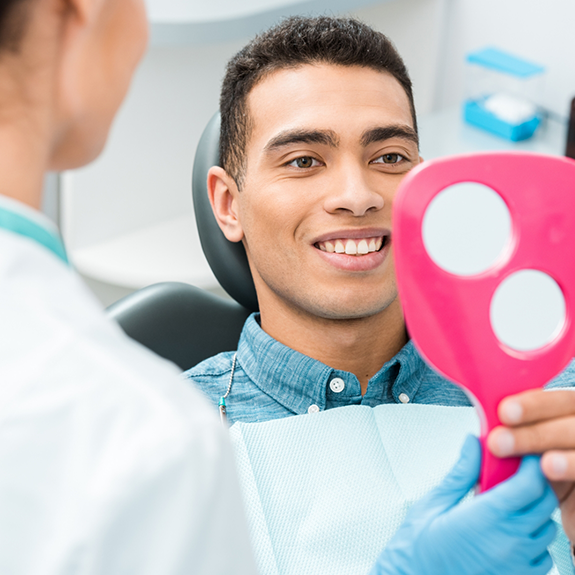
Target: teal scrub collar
(20, 224)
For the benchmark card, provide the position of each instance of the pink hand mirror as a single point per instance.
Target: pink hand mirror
(484, 255)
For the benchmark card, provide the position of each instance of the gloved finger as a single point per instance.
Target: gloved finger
(462, 477)
(541, 565)
(523, 489)
(538, 513)
(535, 515)
(542, 538)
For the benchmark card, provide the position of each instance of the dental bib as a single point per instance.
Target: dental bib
(324, 493)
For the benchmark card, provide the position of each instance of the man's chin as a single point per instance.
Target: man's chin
(351, 311)
(327, 303)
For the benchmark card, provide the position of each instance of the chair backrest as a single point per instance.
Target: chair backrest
(181, 322)
(228, 260)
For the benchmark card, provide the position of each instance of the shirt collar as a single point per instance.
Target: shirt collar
(402, 374)
(297, 381)
(20, 219)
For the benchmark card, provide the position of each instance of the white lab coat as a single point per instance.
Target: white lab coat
(109, 462)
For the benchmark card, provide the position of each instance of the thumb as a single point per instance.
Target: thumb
(462, 477)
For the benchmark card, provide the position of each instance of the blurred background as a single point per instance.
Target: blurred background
(127, 219)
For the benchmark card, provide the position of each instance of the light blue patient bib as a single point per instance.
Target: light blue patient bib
(325, 492)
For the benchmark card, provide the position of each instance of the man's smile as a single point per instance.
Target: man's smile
(352, 247)
(354, 250)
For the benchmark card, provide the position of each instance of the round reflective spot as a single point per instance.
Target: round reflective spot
(527, 310)
(466, 228)
(313, 408)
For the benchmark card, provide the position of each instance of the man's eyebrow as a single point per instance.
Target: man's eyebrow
(289, 137)
(380, 134)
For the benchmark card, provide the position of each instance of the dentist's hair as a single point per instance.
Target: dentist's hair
(295, 42)
(13, 19)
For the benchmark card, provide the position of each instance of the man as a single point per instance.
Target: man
(318, 130)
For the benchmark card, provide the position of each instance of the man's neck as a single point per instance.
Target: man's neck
(359, 346)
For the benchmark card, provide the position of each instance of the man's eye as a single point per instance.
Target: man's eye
(389, 159)
(304, 162)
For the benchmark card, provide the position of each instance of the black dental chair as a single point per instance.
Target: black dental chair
(181, 322)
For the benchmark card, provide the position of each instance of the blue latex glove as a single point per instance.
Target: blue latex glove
(504, 531)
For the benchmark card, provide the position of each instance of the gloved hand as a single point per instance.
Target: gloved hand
(503, 531)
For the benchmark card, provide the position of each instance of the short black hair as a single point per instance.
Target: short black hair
(13, 20)
(294, 42)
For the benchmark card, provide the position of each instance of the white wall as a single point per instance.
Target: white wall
(540, 31)
(143, 176)
(417, 28)
(218, 11)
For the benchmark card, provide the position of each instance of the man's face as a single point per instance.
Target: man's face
(328, 149)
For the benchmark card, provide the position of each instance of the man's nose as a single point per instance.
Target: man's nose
(352, 192)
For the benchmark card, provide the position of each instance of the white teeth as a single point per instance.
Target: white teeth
(362, 247)
(351, 247)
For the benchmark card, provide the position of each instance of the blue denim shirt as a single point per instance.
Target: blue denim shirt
(272, 380)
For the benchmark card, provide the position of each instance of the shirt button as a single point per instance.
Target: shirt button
(404, 398)
(313, 408)
(337, 385)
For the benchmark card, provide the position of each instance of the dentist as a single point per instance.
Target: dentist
(108, 463)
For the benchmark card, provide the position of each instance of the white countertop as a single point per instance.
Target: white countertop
(445, 133)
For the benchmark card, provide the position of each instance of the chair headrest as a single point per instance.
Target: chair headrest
(228, 260)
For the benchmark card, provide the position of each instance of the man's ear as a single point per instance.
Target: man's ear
(223, 193)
